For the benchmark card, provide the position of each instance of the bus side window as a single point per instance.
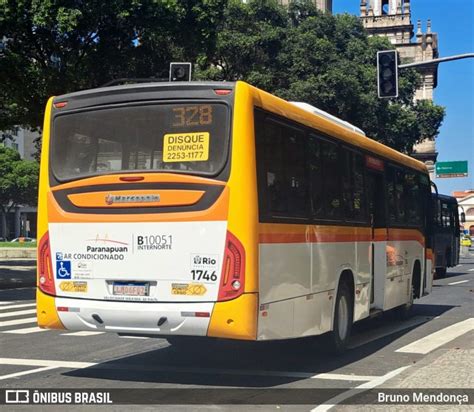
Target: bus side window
(439, 221)
(400, 196)
(413, 202)
(285, 181)
(316, 176)
(392, 203)
(353, 186)
(331, 184)
(445, 215)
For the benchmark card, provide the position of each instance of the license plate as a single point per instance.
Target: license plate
(131, 289)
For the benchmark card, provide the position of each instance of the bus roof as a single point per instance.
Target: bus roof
(445, 198)
(142, 87)
(330, 127)
(266, 101)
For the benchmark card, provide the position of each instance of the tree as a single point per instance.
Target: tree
(58, 46)
(301, 54)
(18, 183)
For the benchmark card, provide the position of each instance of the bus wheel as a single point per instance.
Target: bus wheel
(343, 316)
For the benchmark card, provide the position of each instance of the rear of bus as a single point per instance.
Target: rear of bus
(146, 214)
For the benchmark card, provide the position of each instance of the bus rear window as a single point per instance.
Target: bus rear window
(189, 138)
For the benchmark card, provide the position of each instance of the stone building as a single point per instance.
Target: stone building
(392, 19)
(466, 205)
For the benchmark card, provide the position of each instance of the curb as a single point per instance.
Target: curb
(18, 253)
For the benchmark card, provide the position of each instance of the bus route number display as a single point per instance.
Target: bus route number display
(200, 115)
(186, 147)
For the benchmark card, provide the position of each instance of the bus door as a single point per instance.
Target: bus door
(379, 236)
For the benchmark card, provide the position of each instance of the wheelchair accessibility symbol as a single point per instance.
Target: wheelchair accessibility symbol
(63, 269)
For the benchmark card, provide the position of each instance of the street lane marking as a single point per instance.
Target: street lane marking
(22, 373)
(24, 305)
(82, 333)
(15, 322)
(17, 313)
(458, 283)
(358, 389)
(5, 303)
(207, 371)
(386, 330)
(242, 372)
(471, 270)
(41, 362)
(134, 337)
(25, 331)
(343, 377)
(439, 338)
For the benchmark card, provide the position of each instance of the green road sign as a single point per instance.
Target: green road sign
(451, 169)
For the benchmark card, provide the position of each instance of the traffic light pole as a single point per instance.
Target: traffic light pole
(428, 63)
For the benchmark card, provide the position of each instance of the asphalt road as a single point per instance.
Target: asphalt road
(384, 352)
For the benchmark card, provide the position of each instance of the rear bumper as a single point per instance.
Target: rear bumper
(234, 319)
(135, 317)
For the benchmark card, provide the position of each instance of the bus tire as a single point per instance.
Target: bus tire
(343, 319)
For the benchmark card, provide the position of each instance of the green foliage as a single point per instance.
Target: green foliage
(18, 180)
(18, 245)
(301, 54)
(59, 46)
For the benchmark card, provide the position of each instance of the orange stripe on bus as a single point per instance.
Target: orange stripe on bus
(281, 233)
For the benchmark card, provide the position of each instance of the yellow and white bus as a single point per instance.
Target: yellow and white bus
(220, 210)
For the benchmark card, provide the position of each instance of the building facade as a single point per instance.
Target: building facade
(466, 206)
(392, 19)
(21, 140)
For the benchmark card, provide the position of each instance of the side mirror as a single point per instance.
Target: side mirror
(463, 217)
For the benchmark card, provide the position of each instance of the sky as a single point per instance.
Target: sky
(453, 20)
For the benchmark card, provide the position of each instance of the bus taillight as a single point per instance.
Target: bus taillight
(233, 269)
(46, 276)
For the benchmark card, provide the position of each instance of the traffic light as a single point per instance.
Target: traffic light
(180, 72)
(387, 73)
